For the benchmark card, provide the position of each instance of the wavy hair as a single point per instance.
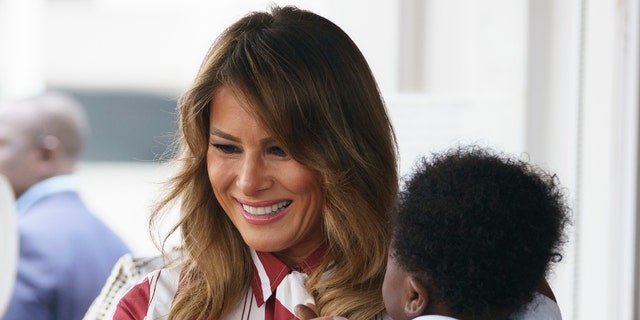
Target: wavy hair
(309, 84)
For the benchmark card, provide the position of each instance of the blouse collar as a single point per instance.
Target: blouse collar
(267, 271)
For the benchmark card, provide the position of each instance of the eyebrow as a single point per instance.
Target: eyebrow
(217, 132)
(222, 134)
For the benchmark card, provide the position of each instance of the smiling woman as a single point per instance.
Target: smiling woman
(286, 174)
(274, 201)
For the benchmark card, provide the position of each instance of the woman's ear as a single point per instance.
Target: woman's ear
(417, 297)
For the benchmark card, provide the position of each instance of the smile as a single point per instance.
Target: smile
(260, 211)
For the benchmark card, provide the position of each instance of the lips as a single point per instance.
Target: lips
(266, 210)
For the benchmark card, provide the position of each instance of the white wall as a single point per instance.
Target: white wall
(582, 123)
(122, 194)
(21, 47)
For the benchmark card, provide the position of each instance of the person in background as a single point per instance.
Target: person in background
(65, 252)
(286, 172)
(475, 233)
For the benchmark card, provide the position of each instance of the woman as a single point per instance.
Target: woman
(286, 174)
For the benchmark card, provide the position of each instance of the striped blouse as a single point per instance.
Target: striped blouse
(274, 291)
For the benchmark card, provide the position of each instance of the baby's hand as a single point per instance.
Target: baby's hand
(309, 312)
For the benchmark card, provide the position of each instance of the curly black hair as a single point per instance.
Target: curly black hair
(479, 228)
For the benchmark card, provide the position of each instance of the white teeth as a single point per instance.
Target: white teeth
(260, 211)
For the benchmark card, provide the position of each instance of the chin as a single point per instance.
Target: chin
(263, 246)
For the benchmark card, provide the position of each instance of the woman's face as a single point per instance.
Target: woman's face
(274, 201)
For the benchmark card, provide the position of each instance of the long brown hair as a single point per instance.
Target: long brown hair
(309, 84)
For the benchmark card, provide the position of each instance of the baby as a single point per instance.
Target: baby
(475, 233)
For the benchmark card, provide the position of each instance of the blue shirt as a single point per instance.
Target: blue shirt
(66, 253)
(43, 189)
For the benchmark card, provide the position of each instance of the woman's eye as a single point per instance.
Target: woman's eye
(276, 151)
(226, 148)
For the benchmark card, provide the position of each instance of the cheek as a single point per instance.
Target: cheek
(387, 290)
(211, 171)
(392, 291)
(8, 153)
(308, 187)
(17, 160)
(218, 174)
(301, 180)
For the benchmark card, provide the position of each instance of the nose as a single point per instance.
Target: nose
(253, 176)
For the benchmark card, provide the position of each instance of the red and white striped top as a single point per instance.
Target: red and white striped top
(274, 291)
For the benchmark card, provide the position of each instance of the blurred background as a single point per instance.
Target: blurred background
(553, 81)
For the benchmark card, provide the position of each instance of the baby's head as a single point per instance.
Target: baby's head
(474, 233)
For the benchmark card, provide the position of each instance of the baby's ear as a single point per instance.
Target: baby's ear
(417, 297)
